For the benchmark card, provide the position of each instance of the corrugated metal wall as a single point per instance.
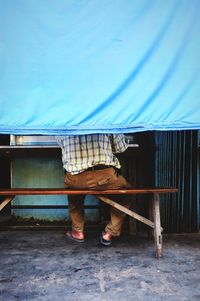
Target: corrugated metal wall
(177, 164)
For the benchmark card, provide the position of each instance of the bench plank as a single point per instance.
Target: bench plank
(64, 191)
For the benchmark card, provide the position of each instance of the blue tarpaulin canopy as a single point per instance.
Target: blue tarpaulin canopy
(89, 66)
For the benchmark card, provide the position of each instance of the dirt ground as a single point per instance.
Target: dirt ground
(43, 265)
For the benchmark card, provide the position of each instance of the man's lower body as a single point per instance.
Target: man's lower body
(107, 178)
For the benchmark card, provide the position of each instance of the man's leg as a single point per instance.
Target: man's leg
(116, 216)
(76, 211)
(110, 179)
(114, 226)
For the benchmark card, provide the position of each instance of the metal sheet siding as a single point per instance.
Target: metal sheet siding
(177, 164)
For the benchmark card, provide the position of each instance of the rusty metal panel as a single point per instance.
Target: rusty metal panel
(177, 164)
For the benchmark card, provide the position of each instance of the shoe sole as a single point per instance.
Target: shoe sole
(71, 238)
(105, 242)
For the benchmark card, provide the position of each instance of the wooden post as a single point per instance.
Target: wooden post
(132, 224)
(150, 209)
(157, 226)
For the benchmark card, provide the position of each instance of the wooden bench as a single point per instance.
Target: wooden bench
(154, 206)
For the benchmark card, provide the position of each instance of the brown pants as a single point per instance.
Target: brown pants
(96, 180)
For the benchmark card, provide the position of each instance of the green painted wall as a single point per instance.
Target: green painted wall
(43, 173)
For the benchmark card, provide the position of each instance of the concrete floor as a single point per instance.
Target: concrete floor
(43, 265)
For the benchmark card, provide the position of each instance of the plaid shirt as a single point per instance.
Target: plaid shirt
(84, 151)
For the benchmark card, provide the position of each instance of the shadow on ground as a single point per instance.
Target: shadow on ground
(44, 266)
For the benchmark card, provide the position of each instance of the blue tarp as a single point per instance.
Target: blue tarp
(82, 66)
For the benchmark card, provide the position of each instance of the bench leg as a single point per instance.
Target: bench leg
(150, 230)
(132, 225)
(126, 210)
(157, 225)
(5, 202)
